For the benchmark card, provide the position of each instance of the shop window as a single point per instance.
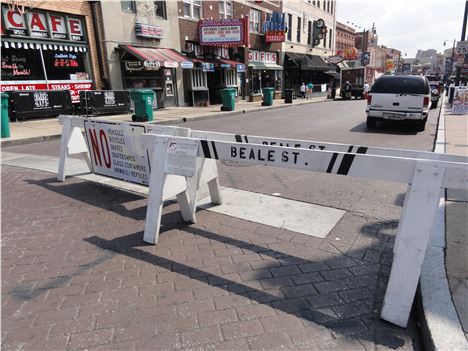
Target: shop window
(254, 20)
(198, 78)
(128, 6)
(21, 64)
(192, 9)
(160, 9)
(289, 32)
(64, 65)
(225, 9)
(230, 76)
(298, 34)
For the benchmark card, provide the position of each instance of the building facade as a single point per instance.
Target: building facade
(345, 37)
(50, 46)
(302, 62)
(141, 49)
(225, 40)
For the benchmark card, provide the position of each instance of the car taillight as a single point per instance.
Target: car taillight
(426, 101)
(369, 99)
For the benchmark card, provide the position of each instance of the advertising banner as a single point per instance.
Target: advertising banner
(224, 32)
(275, 28)
(460, 101)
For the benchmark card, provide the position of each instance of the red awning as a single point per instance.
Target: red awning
(166, 57)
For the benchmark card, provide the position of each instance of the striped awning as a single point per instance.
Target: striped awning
(166, 57)
(16, 44)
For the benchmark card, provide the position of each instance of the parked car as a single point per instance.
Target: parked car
(399, 98)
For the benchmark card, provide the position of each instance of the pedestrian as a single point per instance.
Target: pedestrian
(366, 90)
(302, 89)
(310, 88)
(347, 89)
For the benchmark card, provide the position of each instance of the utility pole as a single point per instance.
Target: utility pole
(463, 37)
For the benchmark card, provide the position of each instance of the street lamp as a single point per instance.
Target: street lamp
(453, 56)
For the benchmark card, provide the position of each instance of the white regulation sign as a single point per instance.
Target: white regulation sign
(116, 151)
(181, 157)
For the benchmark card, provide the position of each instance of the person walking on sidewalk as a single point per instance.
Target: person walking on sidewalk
(310, 87)
(366, 90)
(302, 89)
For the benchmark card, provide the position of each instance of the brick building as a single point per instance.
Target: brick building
(51, 46)
(345, 37)
(248, 66)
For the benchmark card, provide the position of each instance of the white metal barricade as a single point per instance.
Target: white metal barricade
(425, 176)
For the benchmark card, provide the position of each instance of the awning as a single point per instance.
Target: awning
(166, 57)
(27, 45)
(334, 74)
(265, 66)
(306, 62)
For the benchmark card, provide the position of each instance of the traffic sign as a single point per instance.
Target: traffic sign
(462, 47)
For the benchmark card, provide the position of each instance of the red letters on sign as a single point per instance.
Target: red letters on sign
(55, 21)
(94, 144)
(105, 151)
(36, 22)
(75, 26)
(103, 145)
(11, 19)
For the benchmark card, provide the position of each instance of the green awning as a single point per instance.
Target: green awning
(266, 66)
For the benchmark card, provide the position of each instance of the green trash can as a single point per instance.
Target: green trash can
(268, 94)
(143, 101)
(5, 120)
(228, 96)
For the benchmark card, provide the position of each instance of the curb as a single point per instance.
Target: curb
(440, 325)
(39, 139)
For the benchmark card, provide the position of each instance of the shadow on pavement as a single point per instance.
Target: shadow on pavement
(387, 127)
(294, 303)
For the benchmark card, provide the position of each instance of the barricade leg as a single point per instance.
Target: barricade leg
(413, 236)
(185, 208)
(65, 138)
(156, 187)
(213, 184)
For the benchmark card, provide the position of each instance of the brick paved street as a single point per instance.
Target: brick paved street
(76, 275)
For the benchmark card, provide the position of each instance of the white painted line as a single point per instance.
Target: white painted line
(296, 216)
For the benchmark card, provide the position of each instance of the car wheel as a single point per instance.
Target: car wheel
(434, 104)
(371, 122)
(421, 125)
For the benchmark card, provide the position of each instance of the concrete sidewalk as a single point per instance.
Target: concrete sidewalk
(37, 130)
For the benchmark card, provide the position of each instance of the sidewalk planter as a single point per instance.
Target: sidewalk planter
(288, 96)
(143, 101)
(255, 97)
(268, 94)
(5, 120)
(228, 97)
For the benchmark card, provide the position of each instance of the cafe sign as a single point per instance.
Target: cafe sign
(222, 33)
(39, 24)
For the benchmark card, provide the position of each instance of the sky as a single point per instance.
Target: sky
(407, 25)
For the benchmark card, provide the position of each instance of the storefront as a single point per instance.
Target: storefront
(302, 68)
(152, 68)
(264, 72)
(43, 50)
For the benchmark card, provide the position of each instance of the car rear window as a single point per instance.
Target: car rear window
(400, 85)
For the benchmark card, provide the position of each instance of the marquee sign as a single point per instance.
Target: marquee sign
(263, 56)
(223, 33)
(40, 24)
(148, 31)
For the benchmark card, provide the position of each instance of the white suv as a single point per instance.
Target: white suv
(399, 98)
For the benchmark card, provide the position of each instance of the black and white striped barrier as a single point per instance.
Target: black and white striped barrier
(176, 155)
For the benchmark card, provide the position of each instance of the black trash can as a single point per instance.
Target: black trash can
(288, 96)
